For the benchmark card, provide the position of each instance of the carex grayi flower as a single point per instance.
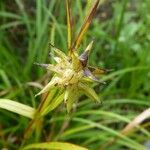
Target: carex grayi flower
(72, 76)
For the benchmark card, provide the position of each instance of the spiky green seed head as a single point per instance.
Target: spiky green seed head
(71, 73)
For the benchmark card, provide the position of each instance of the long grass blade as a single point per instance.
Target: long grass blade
(69, 23)
(135, 123)
(129, 142)
(17, 107)
(9, 15)
(54, 146)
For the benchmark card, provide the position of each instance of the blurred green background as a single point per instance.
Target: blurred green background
(121, 29)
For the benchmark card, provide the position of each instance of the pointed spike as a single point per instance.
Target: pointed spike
(89, 46)
(85, 26)
(97, 71)
(89, 74)
(41, 65)
(89, 92)
(90, 80)
(55, 48)
(48, 86)
(84, 56)
(58, 52)
(87, 79)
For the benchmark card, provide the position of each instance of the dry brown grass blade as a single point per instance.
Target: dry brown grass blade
(136, 122)
(85, 26)
(69, 23)
(129, 128)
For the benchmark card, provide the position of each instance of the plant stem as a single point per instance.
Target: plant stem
(37, 120)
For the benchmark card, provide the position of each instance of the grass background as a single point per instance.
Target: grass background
(121, 29)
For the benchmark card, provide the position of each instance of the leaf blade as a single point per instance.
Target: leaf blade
(17, 107)
(54, 103)
(69, 23)
(54, 146)
(85, 26)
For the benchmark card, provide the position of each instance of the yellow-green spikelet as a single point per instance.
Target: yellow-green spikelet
(71, 73)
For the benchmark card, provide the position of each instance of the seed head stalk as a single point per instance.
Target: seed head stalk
(72, 75)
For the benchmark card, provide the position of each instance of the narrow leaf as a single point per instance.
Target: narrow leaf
(85, 26)
(53, 104)
(69, 24)
(49, 98)
(130, 127)
(17, 107)
(9, 15)
(54, 146)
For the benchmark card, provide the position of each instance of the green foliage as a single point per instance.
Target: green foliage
(17, 107)
(54, 146)
(121, 31)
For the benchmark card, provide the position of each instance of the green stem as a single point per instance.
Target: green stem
(36, 121)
